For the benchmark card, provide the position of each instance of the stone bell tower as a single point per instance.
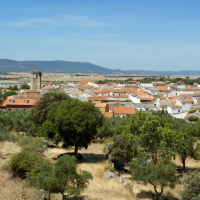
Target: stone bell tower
(35, 80)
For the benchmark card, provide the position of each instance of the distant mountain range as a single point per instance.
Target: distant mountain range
(8, 65)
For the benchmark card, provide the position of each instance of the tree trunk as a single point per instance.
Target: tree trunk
(183, 162)
(49, 196)
(157, 193)
(76, 151)
(155, 156)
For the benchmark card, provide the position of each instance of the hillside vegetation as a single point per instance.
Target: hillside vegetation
(62, 153)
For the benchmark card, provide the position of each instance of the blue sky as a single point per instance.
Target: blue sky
(129, 34)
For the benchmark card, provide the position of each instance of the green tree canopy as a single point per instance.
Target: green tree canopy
(9, 93)
(123, 147)
(48, 103)
(160, 175)
(25, 87)
(14, 88)
(191, 190)
(1, 97)
(74, 122)
(62, 177)
(184, 146)
(105, 130)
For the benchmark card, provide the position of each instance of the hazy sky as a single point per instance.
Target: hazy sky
(116, 34)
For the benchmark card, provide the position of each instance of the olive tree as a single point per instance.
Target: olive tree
(62, 177)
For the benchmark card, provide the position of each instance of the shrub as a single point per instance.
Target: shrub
(23, 162)
(31, 144)
(62, 177)
(192, 118)
(192, 111)
(191, 191)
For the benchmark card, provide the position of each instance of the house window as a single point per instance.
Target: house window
(24, 109)
(28, 100)
(183, 103)
(9, 100)
(13, 101)
(9, 109)
(178, 110)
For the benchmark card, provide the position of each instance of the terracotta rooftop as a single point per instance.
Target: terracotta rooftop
(101, 91)
(20, 102)
(187, 100)
(122, 110)
(165, 88)
(98, 98)
(146, 98)
(112, 103)
(101, 105)
(118, 96)
(84, 86)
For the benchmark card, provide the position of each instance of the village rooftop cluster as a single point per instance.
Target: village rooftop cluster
(113, 99)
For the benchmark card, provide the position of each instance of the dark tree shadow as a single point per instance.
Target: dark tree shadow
(86, 157)
(75, 198)
(92, 158)
(145, 194)
(78, 198)
(180, 169)
(152, 195)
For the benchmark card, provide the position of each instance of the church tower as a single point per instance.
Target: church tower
(35, 80)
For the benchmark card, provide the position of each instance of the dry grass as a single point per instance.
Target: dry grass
(101, 188)
(11, 188)
(94, 162)
(98, 189)
(7, 149)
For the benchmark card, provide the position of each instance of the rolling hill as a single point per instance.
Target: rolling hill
(8, 65)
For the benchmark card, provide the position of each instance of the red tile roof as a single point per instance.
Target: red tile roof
(20, 102)
(161, 88)
(187, 100)
(98, 98)
(146, 98)
(122, 110)
(101, 105)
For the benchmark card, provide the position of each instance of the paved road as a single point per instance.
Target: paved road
(180, 116)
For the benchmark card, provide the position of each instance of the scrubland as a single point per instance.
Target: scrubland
(94, 162)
